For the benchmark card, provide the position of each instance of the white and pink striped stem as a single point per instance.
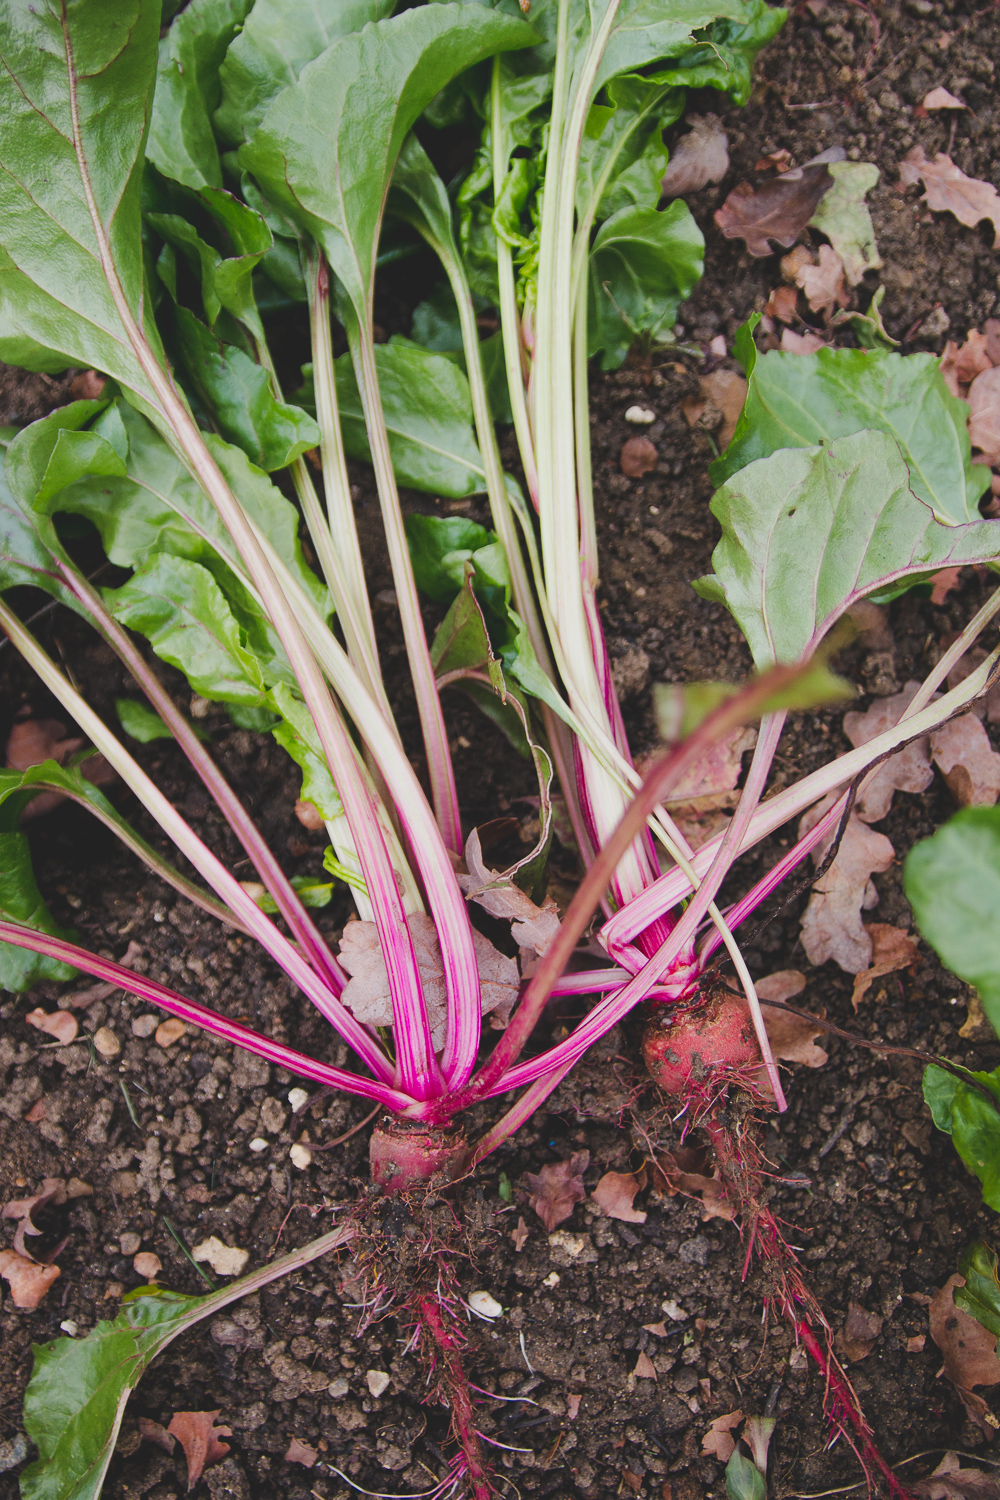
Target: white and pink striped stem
(194, 1014)
(299, 922)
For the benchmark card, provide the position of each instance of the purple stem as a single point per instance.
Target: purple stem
(199, 1015)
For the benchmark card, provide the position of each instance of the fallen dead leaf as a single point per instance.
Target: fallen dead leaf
(225, 1260)
(683, 1171)
(991, 328)
(843, 216)
(792, 1037)
(87, 386)
(147, 1265)
(644, 1367)
(778, 210)
(823, 284)
(634, 1481)
(948, 190)
(28, 1281)
(940, 98)
(301, 1453)
(199, 1437)
(792, 263)
(717, 1442)
(783, 302)
(638, 457)
(531, 926)
(698, 158)
(984, 414)
(915, 1344)
(943, 584)
(950, 1481)
(892, 949)
(520, 1235)
(856, 1339)
(614, 1195)
(59, 1024)
(968, 1350)
(367, 991)
(960, 364)
(658, 1330)
(558, 1188)
(153, 1432)
(800, 343)
(727, 391)
(909, 770)
(33, 740)
(780, 160)
(573, 1400)
(832, 925)
(967, 761)
(53, 1190)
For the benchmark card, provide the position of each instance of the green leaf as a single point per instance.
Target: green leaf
(326, 149)
(843, 217)
(297, 734)
(312, 893)
(237, 391)
(972, 1122)
(724, 58)
(649, 30)
(181, 143)
(796, 400)
(75, 98)
(178, 606)
(439, 547)
(140, 722)
(642, 265)
(952, 881)
(867, 327)
(622, 155)
(980, 1296)
(279, 38)
(462, 641)
(25, 557)
(744, 1481)
(226, 280)
(22, 901)
(809, 531)
(28, 466)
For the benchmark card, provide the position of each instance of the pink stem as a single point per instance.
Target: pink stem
(199, 1015)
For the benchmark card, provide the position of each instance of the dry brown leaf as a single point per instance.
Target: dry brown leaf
(793, 262)
(301, 1453)
(682, 1171)
(367, 991)
(33, 740)
(960, 364)
(892, 949)
(967, 761)
(638, 457)
(950, 1481)
(614, 1195)
(718, 770)
(153, 1432)
(968, 1349)
(634, 1481)
(28, 1281)
(573, 1399)
(832, 925)
(943, 583)
(727, 391)
(520, 1235)
(984, 414)
(780, 160)
(644, 1367)
(783, 302)
(717, 1442)
(823, 284)
(800, 343)
(909, 770)
(778, 210)
(991, 328)
(792, 1038)
(698, 158)
(856, 1339)
(532, 926)
(558, 1188)
(53, 1191)
(87, 386)
(940, 98)
(199, 1437)
(948, 190)
(58, 1023)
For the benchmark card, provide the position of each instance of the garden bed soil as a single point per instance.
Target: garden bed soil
(875, 1200)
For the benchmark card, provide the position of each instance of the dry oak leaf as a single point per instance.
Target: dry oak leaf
(960, 364)
(199, 1437)
(717, 1442)
(967, 761)
(154, 1432)
(683, 1171)
(823, 284)
(53, 1190)
(558, 1188)
(800, 343)
(366, 993)
(948, 190)
(950, 1481)
(940, 98)
(531, 926)
(856, 1339)
(783, 302)
(615, 1193)
(778, 210)
(832, 925)
(968, 1350)
(28, 1281)
(698, 158)
(984, 414)
(301, 1453)
(892, 949)
(909, 770)
(792, 1038)
(638, 457)
(58, 1023)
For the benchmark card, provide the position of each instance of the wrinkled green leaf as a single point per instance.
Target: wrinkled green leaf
(462, 642)
(647, 30)
(312, 893)
(843, 217)
(25, 557)
(980, 1296)
(867, 327)
(622, 155)
(181, 143)
(237, 391)
(279, 38)
(22, 901)
(439, 547)
(30, 454)
(796, 400)
(643, 264)
(952, 881)
(297, 734)
(808, 531)
(972, 1122)
(724, 58)
(226, 280)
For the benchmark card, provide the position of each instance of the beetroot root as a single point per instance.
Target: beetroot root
(406, 1155)
(688, 1048)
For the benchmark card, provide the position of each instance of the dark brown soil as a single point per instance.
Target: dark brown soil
(875, 1200)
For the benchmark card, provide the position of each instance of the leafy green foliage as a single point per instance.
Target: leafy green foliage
(226, 279)
(643, 264)
(980, 1295)
(22, 901)
(181, 143)
(140, 722)
(312, 893)
(724, 58)
(440, 546)
(297, 734)
(808, 531)
(972, 1122)
(744, 1481)
(795, 401)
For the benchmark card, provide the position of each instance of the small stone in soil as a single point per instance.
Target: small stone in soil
(640, 416)
(130, 1243)
(70, 1327)
(272, 1116)
(144, 1026)
(377, 1382)
(148, 1265)
(486, 1305)
(106, 1042)
(297, 1097)
(300, 1155)
(638, 457)
(258, 1144)
(169, 1032)
(338, 1388)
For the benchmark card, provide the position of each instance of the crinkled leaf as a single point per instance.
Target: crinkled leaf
(952, 882)
(30, 454)
(237, 391)
(797, 400)
(25, 557)
(776, 211)
(809, 531)
(439, 547)
(980, 1296)
(226, 280)
(647, 30)
(723, 58)
(297, 734)
(181, 143)
(643, 264)
(972, 1122)
(22, 901)
(843, 217)
(279, 38)
(617, 139)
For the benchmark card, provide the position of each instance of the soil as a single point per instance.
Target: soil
(875, 1200)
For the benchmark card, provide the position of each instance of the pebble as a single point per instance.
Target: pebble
(485, 1305)
(377, 1382)
(106, 1042)
(148, 1265)
(272, 1116)
(674, 1311)
(552, 1279)
(338, 1388)
(638, 457)
(169, 1032)
(225, 1260)
(640, 416)
(298, 1097)
(144, 1026)
(258, 1144)
(130, 1243)
(13, 1452)
(301, 1156)
(70, 1327)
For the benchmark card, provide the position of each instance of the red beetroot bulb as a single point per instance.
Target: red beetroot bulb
(679, 1049)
